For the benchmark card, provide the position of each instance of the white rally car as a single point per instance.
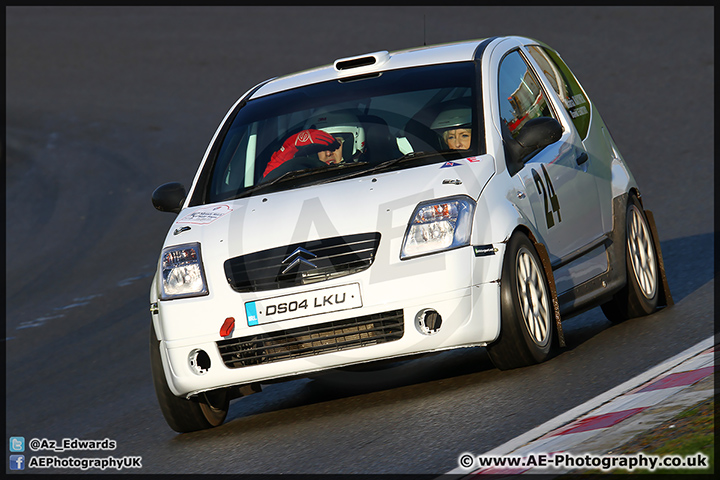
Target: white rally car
(393, 204)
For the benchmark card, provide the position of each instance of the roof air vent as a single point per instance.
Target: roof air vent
(363, 62)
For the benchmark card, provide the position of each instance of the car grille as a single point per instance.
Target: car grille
(316, 261)
(312, 340)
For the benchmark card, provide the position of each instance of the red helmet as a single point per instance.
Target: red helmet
(305, 142)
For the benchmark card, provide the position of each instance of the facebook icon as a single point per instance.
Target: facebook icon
(17, 462)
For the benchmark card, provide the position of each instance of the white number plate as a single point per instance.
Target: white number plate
(304, 304)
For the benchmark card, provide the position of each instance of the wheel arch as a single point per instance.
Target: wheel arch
(505, 226)
(547, 268)
(665, 295)
(665, 298)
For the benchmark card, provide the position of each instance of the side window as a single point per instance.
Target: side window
(566, 86)
(521, 98)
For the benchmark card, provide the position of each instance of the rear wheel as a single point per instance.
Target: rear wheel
(526, 311)
(206, 410)
(640, 294)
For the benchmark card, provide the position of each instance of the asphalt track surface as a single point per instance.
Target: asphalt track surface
(105, 104)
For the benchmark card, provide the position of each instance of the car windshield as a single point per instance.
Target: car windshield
(390, 120)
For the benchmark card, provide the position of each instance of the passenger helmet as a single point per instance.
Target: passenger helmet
(450, 118)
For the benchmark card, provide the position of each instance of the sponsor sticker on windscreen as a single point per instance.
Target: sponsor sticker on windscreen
(315, 302)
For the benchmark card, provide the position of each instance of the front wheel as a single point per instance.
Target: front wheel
(207, 410)
(526, 310)
(640, 294)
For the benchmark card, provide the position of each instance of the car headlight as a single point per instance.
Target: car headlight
(182, 272)
(438, 225)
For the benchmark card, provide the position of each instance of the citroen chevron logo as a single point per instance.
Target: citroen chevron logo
(298, 257)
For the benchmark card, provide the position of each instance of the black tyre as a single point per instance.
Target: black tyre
(207, 410)
(641, 292)
(526, 310)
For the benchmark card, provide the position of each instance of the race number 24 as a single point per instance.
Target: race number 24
(546, 189)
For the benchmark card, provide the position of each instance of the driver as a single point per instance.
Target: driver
(331, 156)
(454, 125)
(304, 144)
(329, 138)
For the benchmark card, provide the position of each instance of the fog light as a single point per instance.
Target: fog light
(199, 361)
(428, 321)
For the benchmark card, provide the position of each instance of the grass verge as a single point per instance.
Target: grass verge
(686, 435)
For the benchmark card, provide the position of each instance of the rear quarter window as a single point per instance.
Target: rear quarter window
(565, 85)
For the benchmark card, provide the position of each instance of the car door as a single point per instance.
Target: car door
(562, 193)
(578, 109)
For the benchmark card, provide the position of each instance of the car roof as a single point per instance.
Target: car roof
(371, 63)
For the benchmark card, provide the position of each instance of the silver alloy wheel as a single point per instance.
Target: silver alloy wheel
(641, 252)
(533, 297)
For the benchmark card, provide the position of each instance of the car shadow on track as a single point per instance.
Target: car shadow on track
(349, 382)
(689, 263)
(345, 391)
(688, 266)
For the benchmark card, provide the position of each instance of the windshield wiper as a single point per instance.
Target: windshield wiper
(295, 174)
(395, 161)
(285, 176)
(405, 158)
(310, 172)
(335, 178)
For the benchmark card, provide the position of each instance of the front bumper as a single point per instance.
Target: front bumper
(462, 288)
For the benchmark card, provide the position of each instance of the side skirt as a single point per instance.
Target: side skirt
(600, 289)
